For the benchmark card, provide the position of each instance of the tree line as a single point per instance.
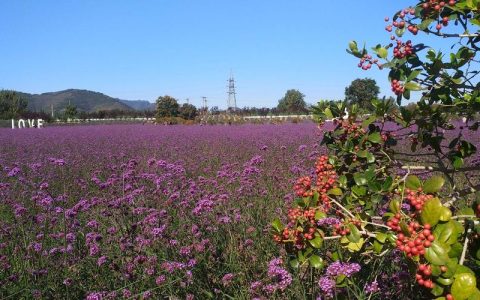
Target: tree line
(360, 92)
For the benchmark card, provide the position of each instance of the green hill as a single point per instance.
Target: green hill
(84, 100)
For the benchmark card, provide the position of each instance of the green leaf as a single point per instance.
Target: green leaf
(437, 290)
(382, 53)
(353, 46)
(431, 212)
(444, 281)
(413, 75)
(316, 261)
(359, 191)
(277, 225)
(387, 184)
(467, 211)
(368, 121)
(457, 162)
(377, 246)
(394, 206)
(445, 214)
(354, 247)
(362, 153)
(360, 179)
(317, 242)
(335, 191)
(294, 263)
(412, 86)
(433, 184)
(455, 250)
(412, 182)
(354, 235)
(370, 158)
(446, 233)
(464, 286)
(437, 254)
(328, 113)
(319, 215)
(375, 137)
(381, 237)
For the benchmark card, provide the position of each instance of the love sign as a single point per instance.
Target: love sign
(29, 123)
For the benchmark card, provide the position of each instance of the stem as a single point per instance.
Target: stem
(343, 208)
(464, 251)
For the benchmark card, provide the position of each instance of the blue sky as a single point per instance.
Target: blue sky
(186, 49)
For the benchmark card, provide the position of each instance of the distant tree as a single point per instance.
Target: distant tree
(214, 110)
(70, 111)
(12, 104)
(361, 92)
(188, 111)
(167, 106)
(292, 102)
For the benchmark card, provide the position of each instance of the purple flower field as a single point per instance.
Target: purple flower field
(132, 211)
(139, 212)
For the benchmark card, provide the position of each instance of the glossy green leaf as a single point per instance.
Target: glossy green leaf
(381, 237)
(320, 215)
(317, 242)
(375, 137)
(335, 192)
(455, 250)
(433, 184)
(394, 206)
(316, 261)
(277, 225)
(360, 179)
(464, 286)
(294, 263)
(382, 52)
(437, 290)
(446, 233)
(354, 247)
(412, 86)
(354, 235)
(437, 254)
(445, 214)
(412, 182)
(370, 158)
(387, 184)
(431, 212)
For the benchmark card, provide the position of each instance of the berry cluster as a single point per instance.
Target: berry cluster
(402, 50)
(423, 276)
(326, 175)
(367, 61)
(397, 87)
(298, 234)
(351, 129)
(303, 187)
(416, 241)
(294, 214)
(434, 7)
(342, 229)
(416, 198)
(399, 22)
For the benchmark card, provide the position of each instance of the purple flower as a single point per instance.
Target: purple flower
(94, 296)
(160, 279)
(101, 260)
(338, 268)
(280, 277)
(327, 285)
(13, 172)
(227, 279)
(371, 287)
(328, 221)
